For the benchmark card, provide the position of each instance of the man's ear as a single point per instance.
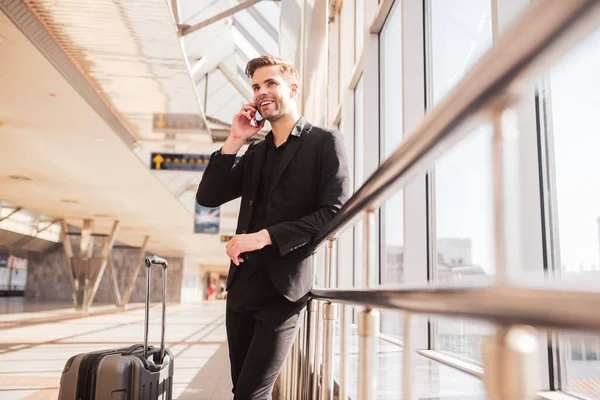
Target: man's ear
(293, 90)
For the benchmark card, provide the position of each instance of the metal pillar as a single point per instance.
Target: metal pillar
(368, 319)
(343, 351)
(368, 332)
(302, 359)
(369, 248)
(511, 364)
(317, 356)
(309, 366)
(329, 317)
(408, 364)
(293, 371)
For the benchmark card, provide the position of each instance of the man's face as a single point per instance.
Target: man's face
(272, 94)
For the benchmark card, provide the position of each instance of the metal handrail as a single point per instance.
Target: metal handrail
(510, 355)
(538, 39)
(545, 308)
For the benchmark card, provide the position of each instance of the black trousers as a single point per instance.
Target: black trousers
(261, 327)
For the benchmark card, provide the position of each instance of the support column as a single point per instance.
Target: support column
(114, 281)
(68, 248)
(108, 245)
(135, 272)
(81, 263)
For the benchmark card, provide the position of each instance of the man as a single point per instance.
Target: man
(292, 183)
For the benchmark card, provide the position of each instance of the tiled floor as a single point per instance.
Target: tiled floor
(33, 355)
(36, 341)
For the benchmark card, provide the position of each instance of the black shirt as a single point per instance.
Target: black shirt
(258, 221)
(272, 158)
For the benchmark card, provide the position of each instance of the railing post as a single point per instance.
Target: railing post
(285, 380)
(368, 319)
(302, 358)
(330, 264)
(369, 247)
(343, 350)
(293, 371)
(506, 177)
(408, 367)
(368, 331)
(511, 364)
(317, 358)
(309, 366)
(329, 317)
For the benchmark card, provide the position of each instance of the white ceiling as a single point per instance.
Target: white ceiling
(129, 51)
(50, 135)
(51, 132)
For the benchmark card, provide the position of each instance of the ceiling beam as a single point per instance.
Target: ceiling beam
(16, 210)
(232, 78)
(187, 29)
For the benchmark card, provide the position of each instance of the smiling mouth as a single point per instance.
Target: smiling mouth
(266, 103)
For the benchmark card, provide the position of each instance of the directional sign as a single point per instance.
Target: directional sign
(178, 123)
(179, 162)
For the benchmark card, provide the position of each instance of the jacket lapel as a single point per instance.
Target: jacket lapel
(300, 130)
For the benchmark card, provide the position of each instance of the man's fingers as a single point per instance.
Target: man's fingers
(244, 114)
(234, 248)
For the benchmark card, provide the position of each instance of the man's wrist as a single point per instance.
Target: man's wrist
(266, 237)
(232, 145)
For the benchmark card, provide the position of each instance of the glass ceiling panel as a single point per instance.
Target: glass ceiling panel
(258, 32)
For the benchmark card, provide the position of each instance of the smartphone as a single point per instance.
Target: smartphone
(257, 117)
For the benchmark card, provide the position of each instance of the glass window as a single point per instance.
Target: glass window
(460, 32)
(574, 142)
(392, 223)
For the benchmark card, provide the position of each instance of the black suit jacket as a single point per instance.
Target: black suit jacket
(310, 185)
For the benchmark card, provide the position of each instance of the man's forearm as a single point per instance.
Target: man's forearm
(232, 145)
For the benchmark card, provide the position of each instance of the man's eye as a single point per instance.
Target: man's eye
(271, 83)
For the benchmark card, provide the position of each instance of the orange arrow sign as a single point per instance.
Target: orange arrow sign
(158, 160)
(161, 121)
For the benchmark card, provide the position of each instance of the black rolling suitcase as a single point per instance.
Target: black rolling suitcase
(139, 372)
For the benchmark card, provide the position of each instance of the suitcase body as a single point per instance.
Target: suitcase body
(134, 373)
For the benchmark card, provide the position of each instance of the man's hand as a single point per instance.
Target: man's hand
(242, 129)
(244, 126)
(245, 243)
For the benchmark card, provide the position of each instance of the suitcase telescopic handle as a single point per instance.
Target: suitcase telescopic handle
(149, 262)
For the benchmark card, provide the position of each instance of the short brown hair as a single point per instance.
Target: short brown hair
(289, 72)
